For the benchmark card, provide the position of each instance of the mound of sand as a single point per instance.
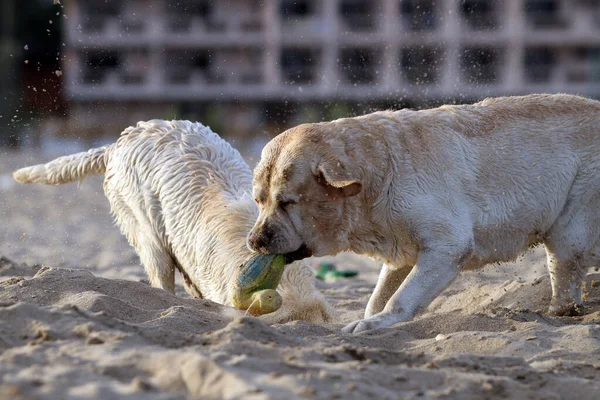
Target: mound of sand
(76, 322)
(67, 333)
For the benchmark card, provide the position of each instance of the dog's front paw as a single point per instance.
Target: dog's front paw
(367, 324)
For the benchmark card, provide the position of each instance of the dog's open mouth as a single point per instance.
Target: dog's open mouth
(302, 252)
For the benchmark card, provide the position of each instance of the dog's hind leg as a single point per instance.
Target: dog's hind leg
(158, 263)
(570, 253)
(156, 259)
(134, 223)
(566, 277)
(570, 245)
(189, 286)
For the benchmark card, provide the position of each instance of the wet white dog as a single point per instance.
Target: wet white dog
(182, 197)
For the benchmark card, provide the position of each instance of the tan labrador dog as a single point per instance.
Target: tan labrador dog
(435, 191)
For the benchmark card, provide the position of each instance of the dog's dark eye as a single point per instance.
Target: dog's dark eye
(286, 203)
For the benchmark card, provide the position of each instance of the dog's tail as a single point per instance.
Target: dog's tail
(65, 169)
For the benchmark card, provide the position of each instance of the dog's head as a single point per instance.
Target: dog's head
(303, 186)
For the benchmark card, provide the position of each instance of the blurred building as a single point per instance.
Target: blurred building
(244, 62)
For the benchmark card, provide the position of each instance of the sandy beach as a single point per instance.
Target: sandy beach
(77, 320)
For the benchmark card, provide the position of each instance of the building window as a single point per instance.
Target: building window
(98, 65)
(421, 65)
(419, 15)
(181, 14)
(299, 17)
(359, 66)
(298, 66)
(582, 64)
(239, 66)
(539, 64)
(252, 20)
(544, 14)
(358, 15)
(480, 14)
(479, 65)
(96, 12)
(296, 9)
(134, 67)
(188, 67)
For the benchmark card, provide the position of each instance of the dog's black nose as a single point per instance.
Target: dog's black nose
(253, 241)
(259, 241)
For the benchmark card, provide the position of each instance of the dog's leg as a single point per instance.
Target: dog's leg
(432, 273)
(390, 278)
(570, 245)
(567, 258)
(158, 263)
(190, 287)
(566, 278)
(134, 223)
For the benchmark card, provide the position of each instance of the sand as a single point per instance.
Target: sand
(77, 320)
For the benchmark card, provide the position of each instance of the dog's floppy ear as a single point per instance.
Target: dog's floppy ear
(334, 173)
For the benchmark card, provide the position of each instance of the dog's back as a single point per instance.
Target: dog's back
(160, 149)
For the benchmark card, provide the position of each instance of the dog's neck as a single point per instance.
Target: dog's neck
(379, 229)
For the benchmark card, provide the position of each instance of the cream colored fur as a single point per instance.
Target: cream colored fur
(181, 196)
(434, 191)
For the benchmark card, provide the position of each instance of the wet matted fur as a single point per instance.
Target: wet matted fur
(181, 195)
